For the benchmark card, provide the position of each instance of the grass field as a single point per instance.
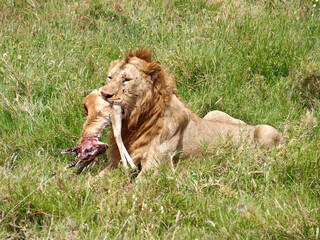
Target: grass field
(259, 61)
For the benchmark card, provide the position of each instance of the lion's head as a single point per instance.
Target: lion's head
(139, 85)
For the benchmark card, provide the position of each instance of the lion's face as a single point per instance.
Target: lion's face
(128, 82)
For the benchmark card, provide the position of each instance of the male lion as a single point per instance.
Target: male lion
(156, 125)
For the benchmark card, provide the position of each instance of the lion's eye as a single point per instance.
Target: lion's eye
(109, 78)
(126, 80)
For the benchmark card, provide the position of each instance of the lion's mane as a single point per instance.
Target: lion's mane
(146, 119)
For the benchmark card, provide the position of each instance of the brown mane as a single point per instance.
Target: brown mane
(142, 53)
(146, 119)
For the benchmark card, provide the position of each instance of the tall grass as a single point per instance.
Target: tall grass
(256, 60)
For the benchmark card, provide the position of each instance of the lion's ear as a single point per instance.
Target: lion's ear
(113, 63)
(153, 69)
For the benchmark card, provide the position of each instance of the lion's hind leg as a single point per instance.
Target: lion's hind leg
(266, 135)
(223, 117)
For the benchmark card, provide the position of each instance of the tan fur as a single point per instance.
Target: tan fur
(98, 112)
(156, 124)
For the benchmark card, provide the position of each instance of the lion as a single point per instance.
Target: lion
(156, 124)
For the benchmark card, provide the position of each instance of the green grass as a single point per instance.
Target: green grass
(256, 60)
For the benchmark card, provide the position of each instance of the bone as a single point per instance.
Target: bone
(116, 120)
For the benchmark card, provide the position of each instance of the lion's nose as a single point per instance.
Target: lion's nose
(106, 94)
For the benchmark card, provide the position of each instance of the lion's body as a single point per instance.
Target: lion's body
(157, 126)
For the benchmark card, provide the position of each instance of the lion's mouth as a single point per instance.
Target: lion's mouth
(119, 102)
(112, 101)
(110, 98)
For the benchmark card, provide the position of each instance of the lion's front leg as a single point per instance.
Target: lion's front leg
(167, 152)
